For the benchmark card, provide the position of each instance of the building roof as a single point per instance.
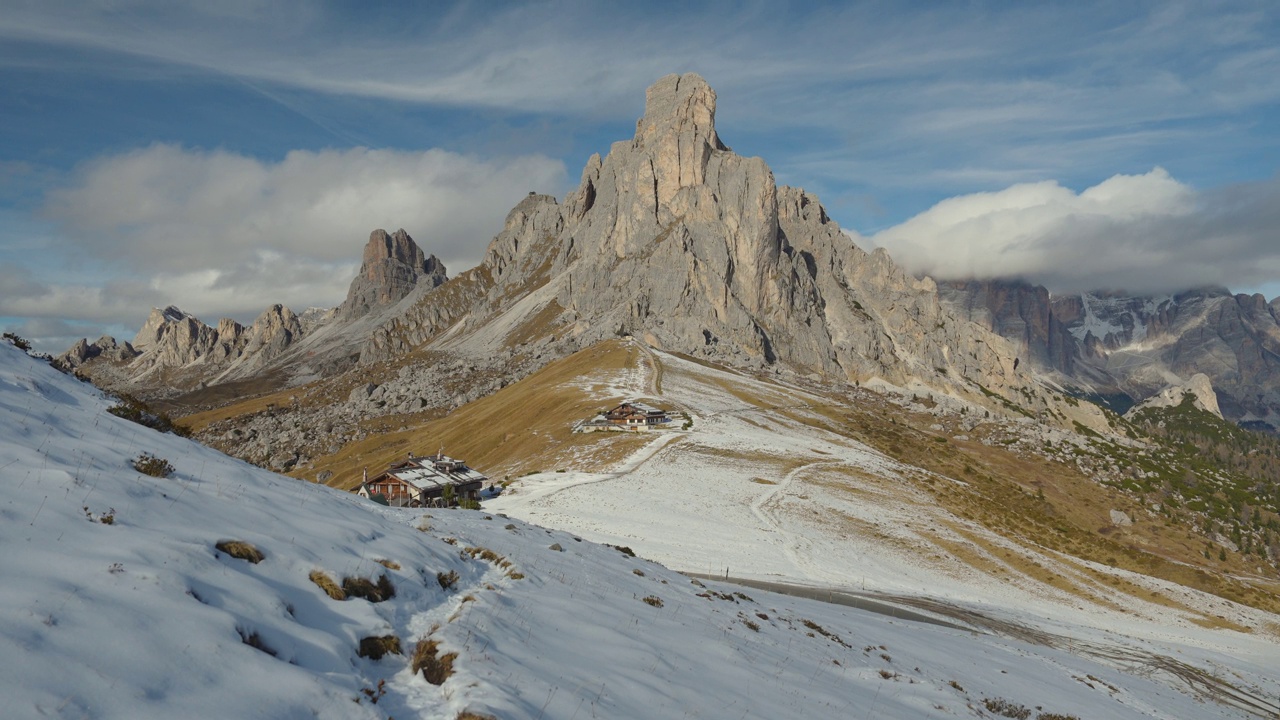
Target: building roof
(639, 407)
(435, 471)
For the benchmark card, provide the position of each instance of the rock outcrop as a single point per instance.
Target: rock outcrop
(393, 266)
(1198, 387)
(104, 347)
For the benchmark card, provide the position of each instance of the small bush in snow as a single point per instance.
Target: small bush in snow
(653, 600)
(17, 341)
(367, 589)
(435, 668)
(1055, 716)
(327, 584)
(1005, 708)
(447, 579)
(106, 518)
(134, 410)
(388, 564)
(149, 464)
(375, 646)
(241, 550)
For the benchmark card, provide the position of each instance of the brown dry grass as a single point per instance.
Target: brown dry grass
(369, 590)
(525, 426)
(1000, 493)
(435, 668)
(327, 584)
(241, 550)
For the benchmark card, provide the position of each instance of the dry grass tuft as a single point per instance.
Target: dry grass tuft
(388, 564)
(241, 550)
(367, 589)
(447, 579)
(653, 600)
(375, 646)
(469, 715)
(435, 668)
(327, 584)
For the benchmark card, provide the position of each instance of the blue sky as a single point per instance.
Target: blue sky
(226, 156)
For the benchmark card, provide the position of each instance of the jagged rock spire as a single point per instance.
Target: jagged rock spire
(393, 264)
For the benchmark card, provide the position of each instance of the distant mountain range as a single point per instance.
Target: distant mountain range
(1123, 349)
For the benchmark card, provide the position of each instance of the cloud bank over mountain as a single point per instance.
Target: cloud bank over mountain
(223, 234)
(1141, 233)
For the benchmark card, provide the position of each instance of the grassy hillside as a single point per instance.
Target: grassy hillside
(524, 427)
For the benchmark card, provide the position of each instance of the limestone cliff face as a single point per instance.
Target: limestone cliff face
(392, 267)
(1019, 312)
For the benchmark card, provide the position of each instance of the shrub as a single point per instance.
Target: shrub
(653, 600)
(435, 668)
(375, 646)
(1005, 708)
(367, 589)
(1055, 716)
(17, 341)
(149, 464)
(241, 550)
(134, 410)
(388, 564)
(447, 579)
(752, 624)
(327, 584)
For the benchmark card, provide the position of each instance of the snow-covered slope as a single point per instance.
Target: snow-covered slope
(141, 617)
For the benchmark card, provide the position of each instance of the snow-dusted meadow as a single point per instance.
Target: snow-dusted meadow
(142, 618)
(760, 496)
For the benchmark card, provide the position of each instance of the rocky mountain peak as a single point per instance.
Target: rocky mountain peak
(393, 264)
(156, 322)
(678, 130)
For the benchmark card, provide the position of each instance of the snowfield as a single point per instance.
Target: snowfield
(117, 604)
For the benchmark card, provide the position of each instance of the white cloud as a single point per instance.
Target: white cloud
(1142, 233)
(221, 234)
